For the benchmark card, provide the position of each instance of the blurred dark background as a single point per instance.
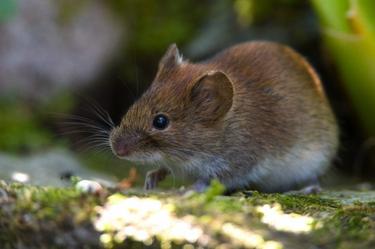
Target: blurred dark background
(61, 61)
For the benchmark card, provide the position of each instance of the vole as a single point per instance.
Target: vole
(254, 116)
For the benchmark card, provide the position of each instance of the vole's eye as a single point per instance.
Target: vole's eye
(160, 122)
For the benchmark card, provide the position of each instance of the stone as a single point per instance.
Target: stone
(45, 46)
(47, 169)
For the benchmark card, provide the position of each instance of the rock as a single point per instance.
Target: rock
(46, 169)
(350, 197)
(46, 46)
(90, 187)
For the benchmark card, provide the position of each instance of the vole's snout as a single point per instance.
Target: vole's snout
(121, 144)
(121, 148)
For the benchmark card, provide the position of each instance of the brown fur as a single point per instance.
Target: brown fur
(251, 102)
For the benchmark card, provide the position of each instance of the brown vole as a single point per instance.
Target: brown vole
(254, 116)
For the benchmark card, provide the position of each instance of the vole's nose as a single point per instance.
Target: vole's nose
(121, 148)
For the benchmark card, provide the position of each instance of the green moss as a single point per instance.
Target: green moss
(352, 224)
(37, 215)
(45, 202)
(295, 203)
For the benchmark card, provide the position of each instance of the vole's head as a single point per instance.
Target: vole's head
(180, 116)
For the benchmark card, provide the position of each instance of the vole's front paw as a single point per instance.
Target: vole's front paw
(200, 186)
(154, 177)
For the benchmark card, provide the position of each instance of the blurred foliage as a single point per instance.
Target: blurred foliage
(348, 28)
(251, 11)
(61, 103)
(24, 128)
(68, 9)
(20, 130)
(7, 9)
(244, 9)
(152, 25)
(215, 189)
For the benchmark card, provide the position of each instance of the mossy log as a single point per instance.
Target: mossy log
(45, 217)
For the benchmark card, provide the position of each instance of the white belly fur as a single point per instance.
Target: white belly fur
(279, 174)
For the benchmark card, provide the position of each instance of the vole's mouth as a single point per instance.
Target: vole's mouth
(134, 154)
(143, 157)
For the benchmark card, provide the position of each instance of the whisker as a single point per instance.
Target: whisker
(81, 119)
(97, 140)
(94, 149)
(92, 128)
(96, 132)
(74, 117)
(93, 145)
(101, 114)
(95, 109)
(82, 132)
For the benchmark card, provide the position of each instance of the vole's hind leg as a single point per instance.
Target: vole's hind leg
(311, 187)
(200, 186)
(153, 177)
(310, 190)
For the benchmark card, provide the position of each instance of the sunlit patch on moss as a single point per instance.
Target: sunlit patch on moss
(248, 239)
(292, 222)
(143, 219)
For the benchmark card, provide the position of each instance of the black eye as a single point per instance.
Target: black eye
(160, 122)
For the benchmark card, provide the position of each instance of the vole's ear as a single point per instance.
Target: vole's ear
(211, 96)
(171, 57)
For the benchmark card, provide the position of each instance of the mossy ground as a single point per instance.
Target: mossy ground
(41, 217)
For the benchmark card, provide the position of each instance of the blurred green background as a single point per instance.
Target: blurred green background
(61, 61)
